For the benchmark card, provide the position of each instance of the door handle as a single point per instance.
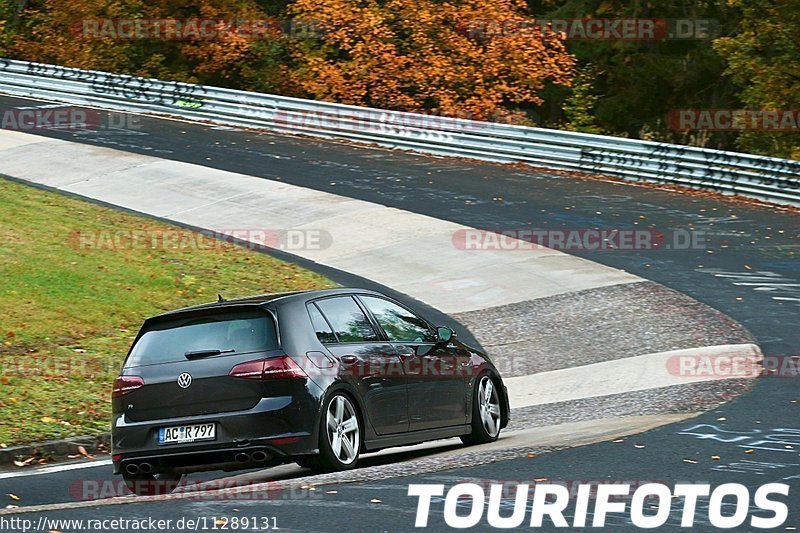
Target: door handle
(349, 359)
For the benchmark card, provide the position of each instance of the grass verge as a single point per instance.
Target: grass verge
(77, 281)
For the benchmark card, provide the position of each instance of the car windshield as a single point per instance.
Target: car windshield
(228, 333)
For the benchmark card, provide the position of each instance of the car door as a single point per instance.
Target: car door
(366, 360)
(437, 395)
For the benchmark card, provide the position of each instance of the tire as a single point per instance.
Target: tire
(340, 435)
(152, 484)
(487, 412)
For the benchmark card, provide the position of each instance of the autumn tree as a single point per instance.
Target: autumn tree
(54, 31)
(764, 59)
(634, 84)
(9, 23)
(465, 57)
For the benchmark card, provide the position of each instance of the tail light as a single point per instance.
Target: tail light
(265, 369)
(126, 384)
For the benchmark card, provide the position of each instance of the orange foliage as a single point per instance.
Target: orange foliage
(426, 55)
(57, 35)
(413, 55)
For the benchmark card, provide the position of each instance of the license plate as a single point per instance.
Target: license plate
(192, 433)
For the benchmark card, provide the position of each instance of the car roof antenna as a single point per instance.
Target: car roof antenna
(220, 299)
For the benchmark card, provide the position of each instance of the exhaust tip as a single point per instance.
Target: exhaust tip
(242, 457)
(260, 456)
(132, 469)
(145, 468)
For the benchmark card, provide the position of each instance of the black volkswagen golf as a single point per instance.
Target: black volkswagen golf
(314, 377)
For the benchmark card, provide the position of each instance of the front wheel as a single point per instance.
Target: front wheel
(486, 412)
(152, 484)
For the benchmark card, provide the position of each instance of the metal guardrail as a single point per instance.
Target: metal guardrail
(766, 178)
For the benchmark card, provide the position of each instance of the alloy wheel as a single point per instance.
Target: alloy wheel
(489, 406)
(344, 434)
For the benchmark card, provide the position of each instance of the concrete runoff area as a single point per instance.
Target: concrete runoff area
(411, 253)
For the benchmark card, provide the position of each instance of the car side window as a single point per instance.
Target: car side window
(400, 324)
(321, 326)
(349, 322)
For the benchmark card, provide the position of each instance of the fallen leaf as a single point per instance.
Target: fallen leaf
(749, 451)
(375, 500)
(11, 335)
(715, 457)
(690, 461)
(721, 419)
(639, 446)
(331, 492)
(13, 497)
(83, 452)
(531, 455)
(618, 441)
(47, 419)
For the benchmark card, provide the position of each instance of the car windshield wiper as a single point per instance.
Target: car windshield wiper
(205, 353)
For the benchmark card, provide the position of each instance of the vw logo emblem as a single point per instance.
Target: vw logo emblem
(184, 380)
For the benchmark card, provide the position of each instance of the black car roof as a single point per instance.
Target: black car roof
(261, 299)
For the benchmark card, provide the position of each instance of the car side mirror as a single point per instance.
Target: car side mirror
(444, 335)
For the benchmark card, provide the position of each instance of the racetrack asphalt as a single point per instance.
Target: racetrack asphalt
(748, 270)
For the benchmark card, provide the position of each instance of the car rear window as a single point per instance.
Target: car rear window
(241, 331)
(321, 327)
(348, 321)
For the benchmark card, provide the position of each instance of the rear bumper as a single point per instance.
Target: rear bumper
(280, 427)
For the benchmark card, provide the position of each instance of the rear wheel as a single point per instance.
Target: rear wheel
(486, 412)
(152, 484)
(339, 436)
